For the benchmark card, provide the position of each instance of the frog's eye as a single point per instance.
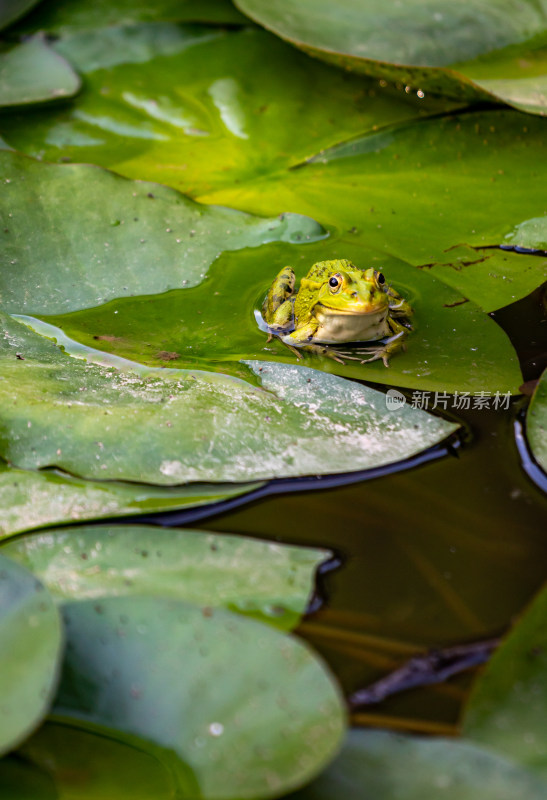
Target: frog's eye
(335, 281)
(380, 278)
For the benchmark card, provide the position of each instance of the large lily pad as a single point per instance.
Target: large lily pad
(127, 237)
(33, 499)
(454, 347)
(186, 425)
(506, 710)
(250, 711)
(421, 191)
(200, 108)
(34, 73)
(536, 423)
(466, 49)
(31, 647)
(377, 765)
(270, 581)
(59, 16)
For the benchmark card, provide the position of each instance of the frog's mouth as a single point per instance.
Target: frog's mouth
(365, 311)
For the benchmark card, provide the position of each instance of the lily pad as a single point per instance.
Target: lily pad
(31, 647)
(185, 425)
(420, 191)
(32, 72)
(33, 499)
(464, 50)
(200, 108)
(454, 347)
(127, 238)
(59, 16)
(10, 10)
(506, 709)
(65, 763)
(270, 581)
(536, 422)
(250, 711)
(377, 765)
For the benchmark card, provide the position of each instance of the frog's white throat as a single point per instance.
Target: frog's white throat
(340, 326)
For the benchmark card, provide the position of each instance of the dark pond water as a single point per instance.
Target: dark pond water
(448, 551)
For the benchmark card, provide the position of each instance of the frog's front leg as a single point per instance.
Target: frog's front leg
(398, 307)
(277, 308)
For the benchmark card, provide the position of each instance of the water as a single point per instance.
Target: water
(448, 551)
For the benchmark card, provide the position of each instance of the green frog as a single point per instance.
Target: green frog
(337, 302)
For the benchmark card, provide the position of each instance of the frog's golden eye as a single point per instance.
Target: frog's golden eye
(335, 282)
(380, 278)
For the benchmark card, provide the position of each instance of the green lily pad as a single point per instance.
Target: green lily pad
(183, 425)
(60, 16)
(454, 347)
(270, 581)
(506, 709)
(250, 711)
(536, 422)
(377, 765)
(467, 50)
(421, 191)
(65, 763)
(139, 237)
(32, 72)
(10, 10)
(31, 646)
(200, 108)
(30, 499)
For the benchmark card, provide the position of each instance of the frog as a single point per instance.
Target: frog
(337, 302)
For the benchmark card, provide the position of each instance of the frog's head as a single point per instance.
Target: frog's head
(352, 291)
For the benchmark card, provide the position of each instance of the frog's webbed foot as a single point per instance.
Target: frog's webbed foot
(384, 350)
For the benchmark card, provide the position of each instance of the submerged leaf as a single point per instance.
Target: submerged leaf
(61, 762)
(251, 712)
(271, 581)
(30, 648)
(181, 426)
(20, 780)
